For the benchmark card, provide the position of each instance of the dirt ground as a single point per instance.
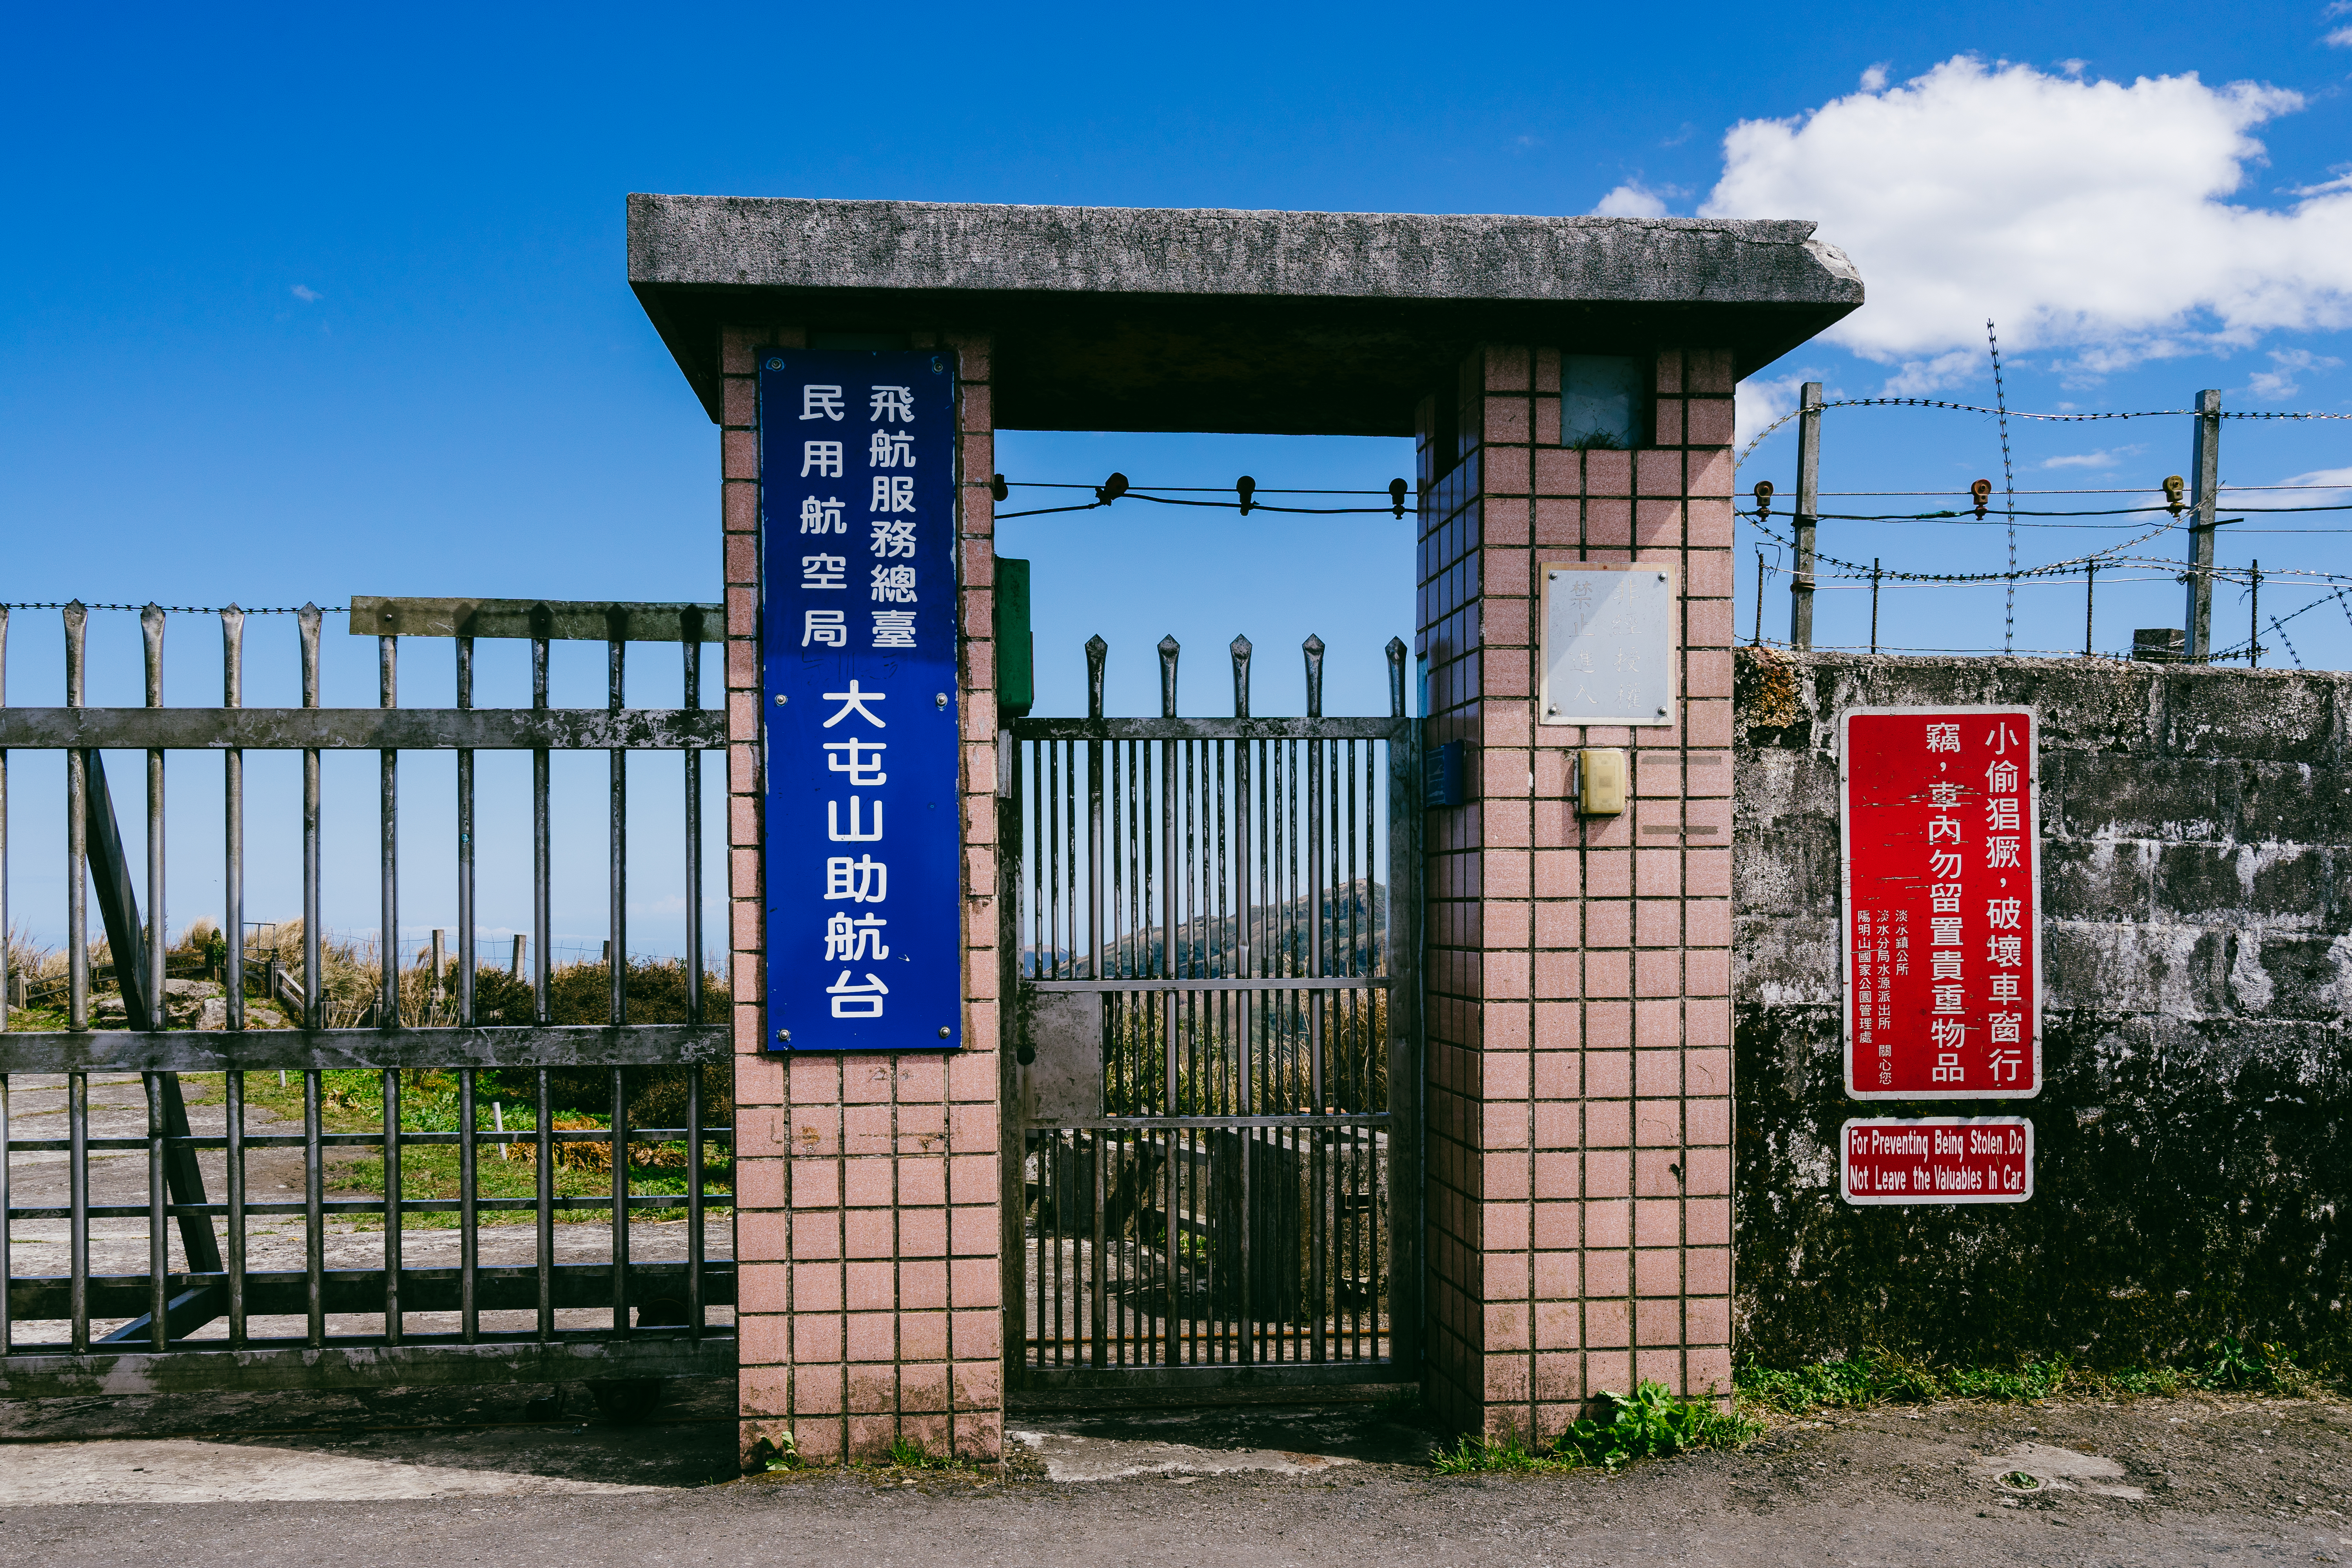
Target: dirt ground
(2140, 1481)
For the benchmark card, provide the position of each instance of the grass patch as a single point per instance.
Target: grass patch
(351, 1100)
(1885, 1377)
(913, 1454)
(1650, 1421)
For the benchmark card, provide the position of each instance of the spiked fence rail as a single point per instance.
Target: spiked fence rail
(205, 1321)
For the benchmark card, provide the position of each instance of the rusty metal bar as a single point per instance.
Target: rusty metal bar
(78, 1198)
(691, 624)
(314, 1216)
(388, 988)
(469, 1245)
(1176, 729)
(159, 1233)
(564, 619)
(543, 925)
(616, 964)
(234, 1110)
(314, 1011)
(233, 832)
(76, 620)
(360, 728)
(521, 1045)
(150, 627)
(394, 1189)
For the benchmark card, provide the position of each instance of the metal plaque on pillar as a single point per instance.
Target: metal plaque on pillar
(863, 840)
(1608, 645)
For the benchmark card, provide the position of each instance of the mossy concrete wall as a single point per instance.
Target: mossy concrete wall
(2193, 1164)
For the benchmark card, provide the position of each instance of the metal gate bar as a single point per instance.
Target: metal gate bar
(1219, 995)
(175, 1306)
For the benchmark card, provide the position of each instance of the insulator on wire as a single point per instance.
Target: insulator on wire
(1396, 495)
(1763, 499)
(2175, 488)
(1111, 490)
(1245, 488)
(1982, 492)
(998, 488)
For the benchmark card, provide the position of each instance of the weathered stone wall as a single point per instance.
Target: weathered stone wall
(2193, 1164)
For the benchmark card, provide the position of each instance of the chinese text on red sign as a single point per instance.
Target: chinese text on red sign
(1942, 947)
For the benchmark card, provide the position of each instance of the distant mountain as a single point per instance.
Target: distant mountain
(1277, 938)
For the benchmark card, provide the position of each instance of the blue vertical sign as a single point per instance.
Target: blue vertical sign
(864, 851)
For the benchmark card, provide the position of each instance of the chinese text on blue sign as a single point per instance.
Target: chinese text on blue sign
(858, 648)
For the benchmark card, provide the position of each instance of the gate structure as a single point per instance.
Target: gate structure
(374, 1290)
(1211, 1148)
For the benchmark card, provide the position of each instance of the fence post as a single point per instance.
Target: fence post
(2090, 592)
(2254, 621)
(2204, 490)
(522, 945)
(439, 949)
(1874, 603)
(1808, 502)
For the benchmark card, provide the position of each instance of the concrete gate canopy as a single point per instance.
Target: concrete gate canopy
(1210, 320)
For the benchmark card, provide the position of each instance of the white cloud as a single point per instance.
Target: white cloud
(1919, 377)
(1632, 199)
(2341, 38)
(1756, 404)
(2329, 477)
(2083, 214)
(2089, 459)
(2291, 362)
(308, 296)
(1875, 79)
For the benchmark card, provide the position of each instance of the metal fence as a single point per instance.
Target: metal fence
(164, 1287)
(1214, 1139)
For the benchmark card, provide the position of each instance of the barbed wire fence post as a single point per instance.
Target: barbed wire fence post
(1874, 603)
(1809, 505)
(2254, 617)
(2204, 490)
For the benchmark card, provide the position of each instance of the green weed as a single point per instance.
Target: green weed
(1650, 1421)
(1885, 1377)
(913, 1454)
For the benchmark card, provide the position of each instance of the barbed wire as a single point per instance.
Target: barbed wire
(2052, 569)
(2013, 414)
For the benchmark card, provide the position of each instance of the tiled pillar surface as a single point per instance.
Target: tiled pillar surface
(867, 1222)
(1579, 969)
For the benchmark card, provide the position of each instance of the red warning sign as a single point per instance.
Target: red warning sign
(1941, 828)
(1939, 1160)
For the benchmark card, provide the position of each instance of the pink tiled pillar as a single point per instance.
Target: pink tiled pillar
(1578, 968)
(867, 1222)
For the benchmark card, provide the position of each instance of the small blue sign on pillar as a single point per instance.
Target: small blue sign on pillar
(864, 843)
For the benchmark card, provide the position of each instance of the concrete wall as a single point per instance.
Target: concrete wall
(2194, 1160)
(867, 1227)
(1577, 979)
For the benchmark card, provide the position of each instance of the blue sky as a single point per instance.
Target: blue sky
(299, 304)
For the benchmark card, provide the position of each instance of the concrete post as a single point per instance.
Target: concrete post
(2204, 492)
(1807, 516)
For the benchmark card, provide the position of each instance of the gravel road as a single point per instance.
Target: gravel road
(2143, 1481)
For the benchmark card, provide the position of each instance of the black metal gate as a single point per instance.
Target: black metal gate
(1212, 1147)
(138, 1256)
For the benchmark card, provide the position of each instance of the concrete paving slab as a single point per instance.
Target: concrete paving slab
(1070, 1457)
